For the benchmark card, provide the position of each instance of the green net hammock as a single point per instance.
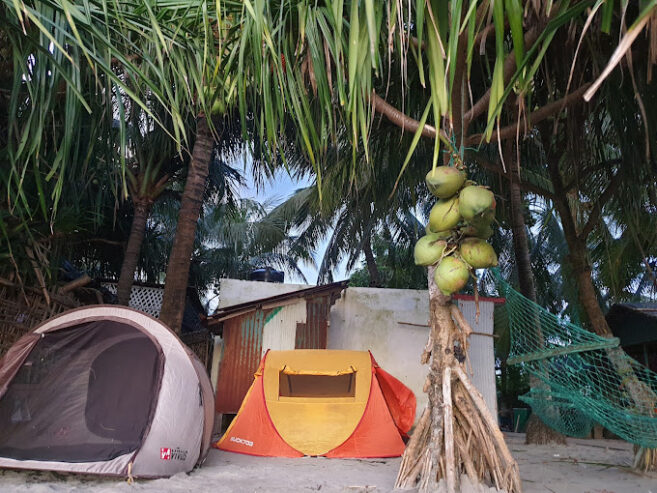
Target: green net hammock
(581, 378)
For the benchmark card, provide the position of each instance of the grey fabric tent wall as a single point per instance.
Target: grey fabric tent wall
(133, 400)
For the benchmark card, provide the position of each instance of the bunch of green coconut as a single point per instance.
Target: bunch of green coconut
(459, 225)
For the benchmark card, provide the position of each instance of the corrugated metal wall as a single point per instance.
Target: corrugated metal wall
(242, 351)
(279, 332)
(313, 334)
(482, 356)
(300, 325)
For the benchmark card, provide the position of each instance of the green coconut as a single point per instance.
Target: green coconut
(478, 253)
(443, 235)
(476, 203)
(480, 228)
(485, 218)
(445, 181)
(218, 107)
(451, 275)
(429, 249)
(483, 230)
(444, 215)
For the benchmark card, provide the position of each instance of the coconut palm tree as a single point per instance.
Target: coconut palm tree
(393, 254)
(327, 67)
(60, 47)
(153, 164)
(240, 34)
(347, 64)
(246, 237)
(593, 188)
(349, 210)
(69, 86)
(157, 165)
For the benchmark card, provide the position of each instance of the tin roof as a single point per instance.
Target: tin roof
(273, 301)
(633, 323)
(646, 309)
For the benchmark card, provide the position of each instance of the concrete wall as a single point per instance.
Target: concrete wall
(393, 324)
(234, 292)
(369, 319)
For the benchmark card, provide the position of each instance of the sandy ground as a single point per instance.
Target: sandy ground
(583, 466)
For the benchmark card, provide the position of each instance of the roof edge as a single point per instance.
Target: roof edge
(470, 297)
(231, 311)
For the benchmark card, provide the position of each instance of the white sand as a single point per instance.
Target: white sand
(584, 466)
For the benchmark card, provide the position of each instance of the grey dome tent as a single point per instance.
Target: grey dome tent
(105, 390)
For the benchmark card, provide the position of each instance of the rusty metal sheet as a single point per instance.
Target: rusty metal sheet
(313, 333)
(481, 353)
(242, 349)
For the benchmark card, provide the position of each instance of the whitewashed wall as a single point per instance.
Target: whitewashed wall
(234, 291)
(370, 319)
(393, 324)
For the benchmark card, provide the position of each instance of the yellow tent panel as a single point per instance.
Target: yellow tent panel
(316, 397)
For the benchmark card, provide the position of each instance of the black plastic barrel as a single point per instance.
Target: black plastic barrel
(268, 274)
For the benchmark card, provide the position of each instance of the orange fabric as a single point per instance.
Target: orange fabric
(399, 398)
(376, 435)
(388, 412)
(252, 431)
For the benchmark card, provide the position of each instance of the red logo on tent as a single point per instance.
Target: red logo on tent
(165, 453)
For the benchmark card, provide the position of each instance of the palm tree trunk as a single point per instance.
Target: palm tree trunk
(131, 258)
(520, 244)
(372, 268)
(175, 290)
(577, 248)
(537, 431)
(643, 397)
(577, 254)
(588, 299)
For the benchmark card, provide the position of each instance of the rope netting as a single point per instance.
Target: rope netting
(580, 378)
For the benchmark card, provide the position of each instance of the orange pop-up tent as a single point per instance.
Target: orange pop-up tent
(321, 402)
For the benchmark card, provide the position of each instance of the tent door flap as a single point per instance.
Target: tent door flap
(317, 384)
